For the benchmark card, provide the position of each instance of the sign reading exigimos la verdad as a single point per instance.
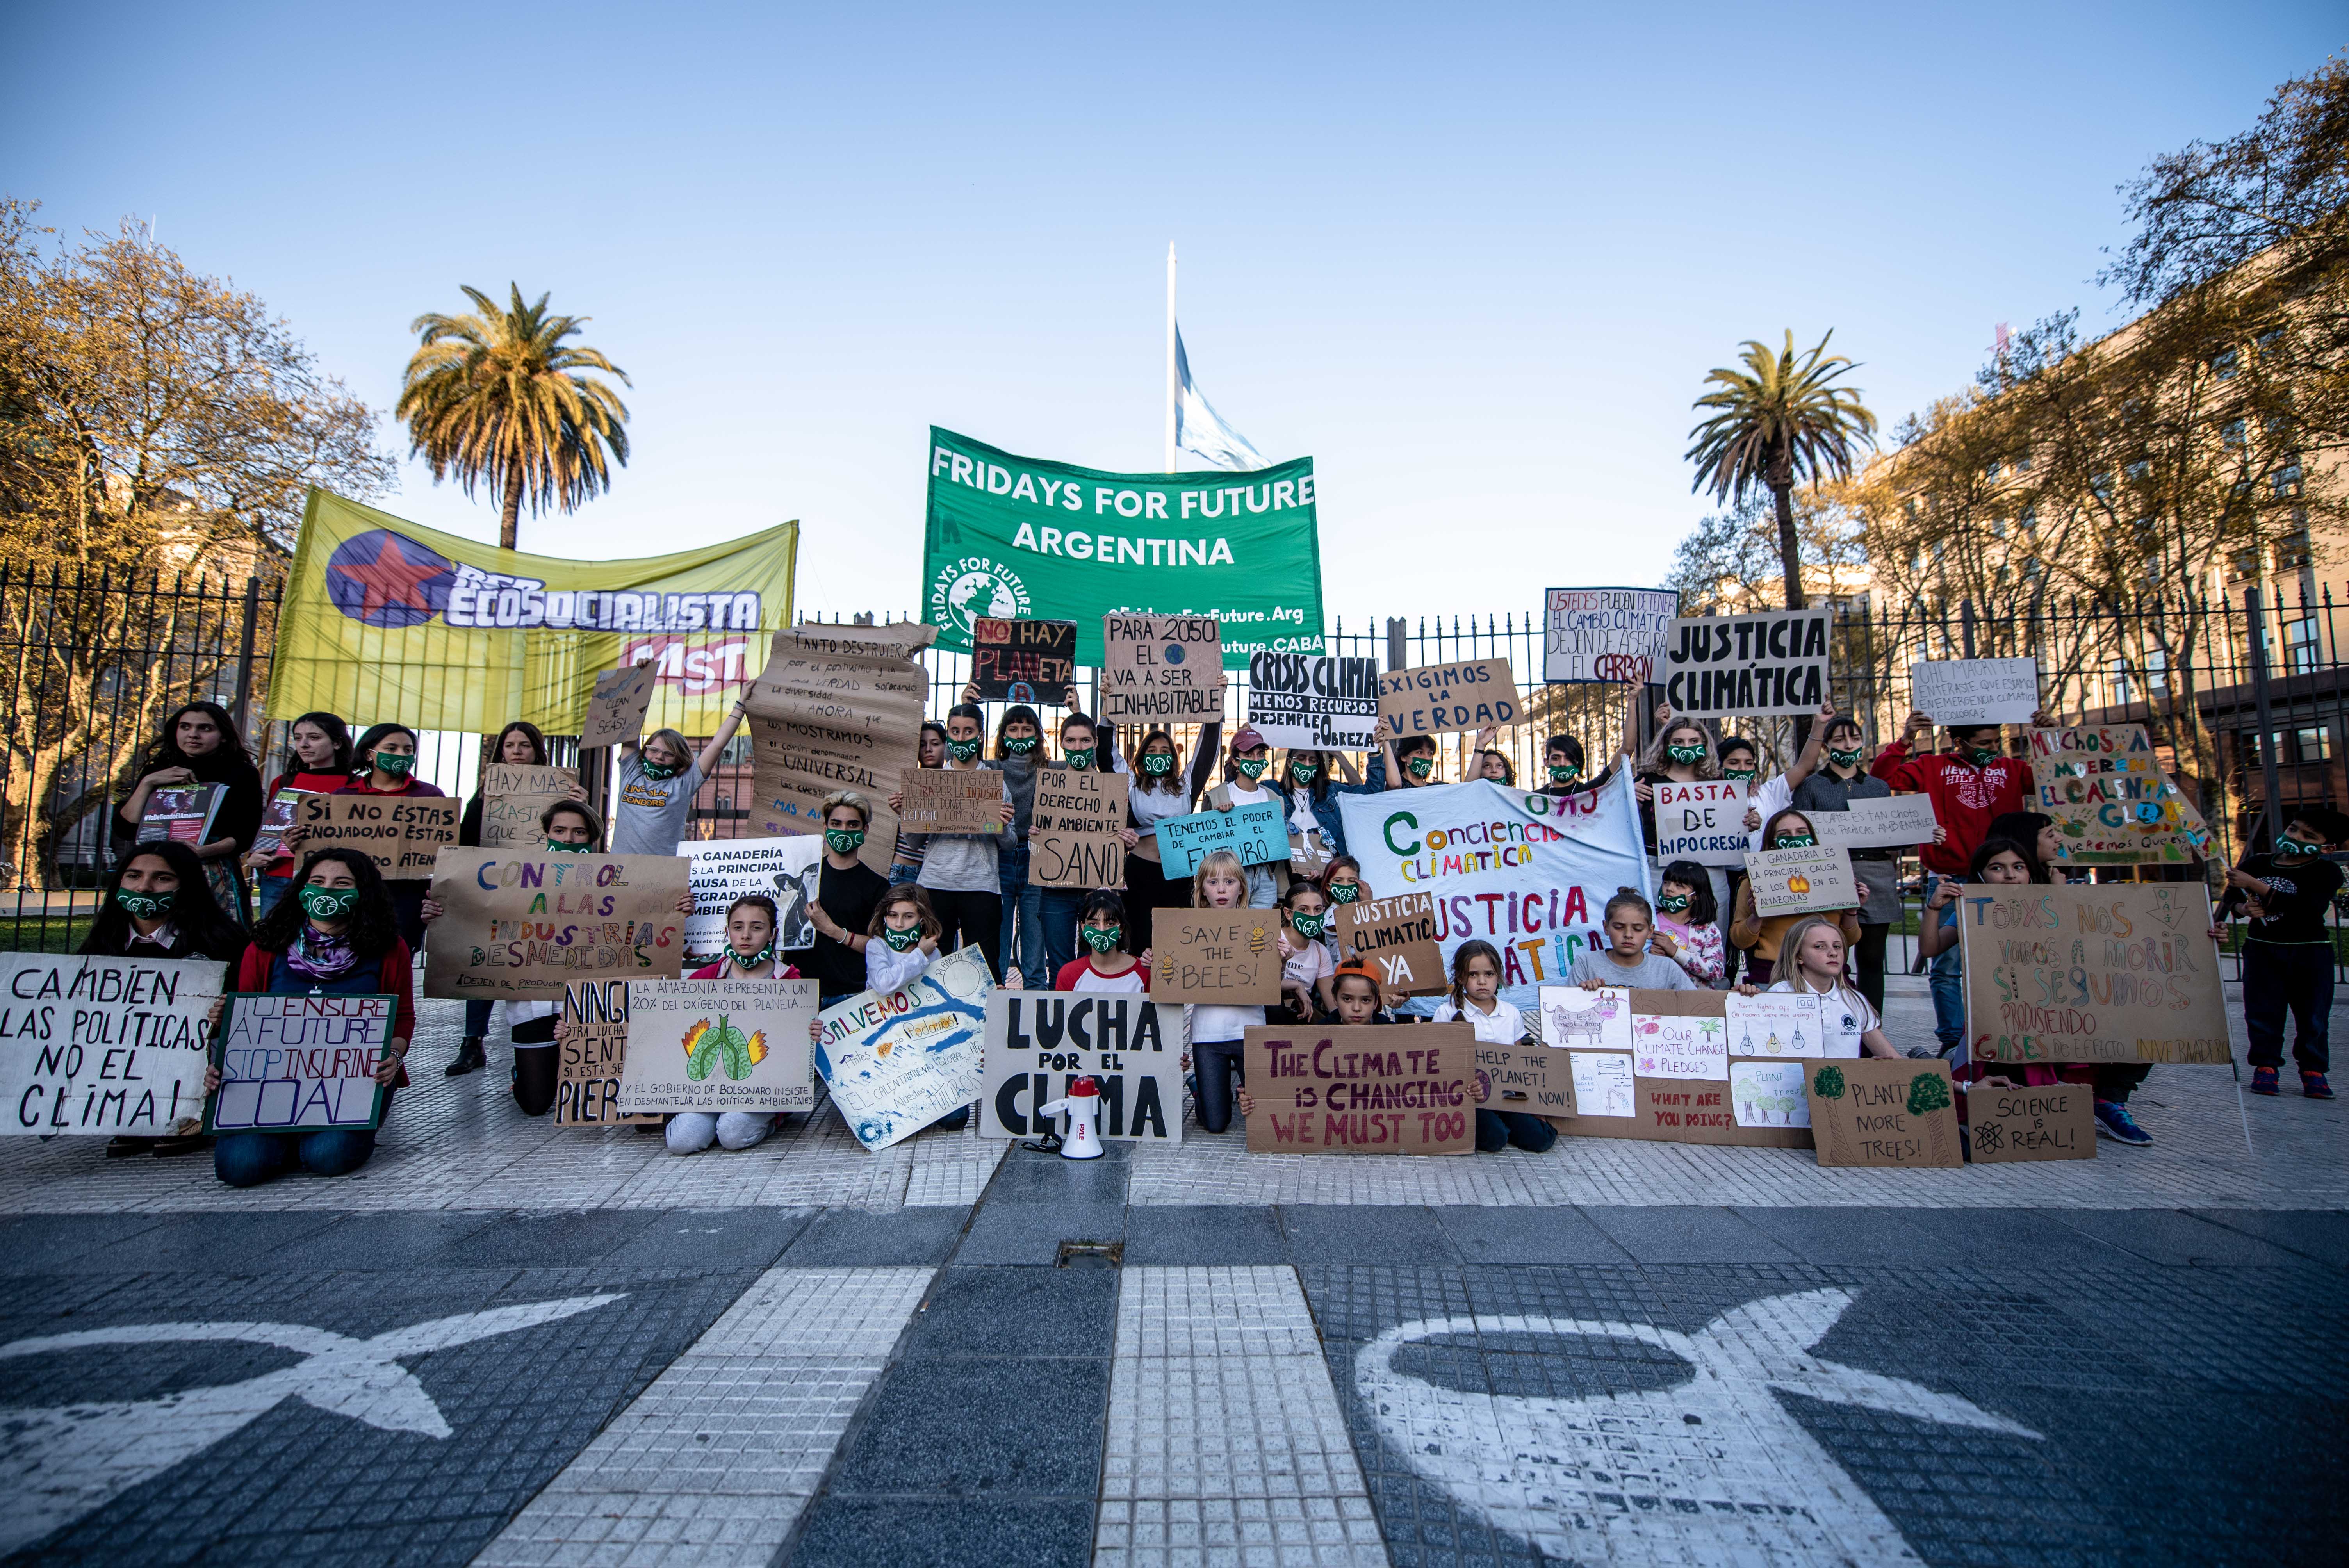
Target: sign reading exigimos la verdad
(1017, 538)
(385, 617)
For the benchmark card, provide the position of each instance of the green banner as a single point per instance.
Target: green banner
(1013, 538)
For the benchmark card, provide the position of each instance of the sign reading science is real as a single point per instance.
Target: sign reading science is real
(1011, 537)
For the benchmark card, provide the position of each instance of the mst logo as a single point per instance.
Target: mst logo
(974, 588)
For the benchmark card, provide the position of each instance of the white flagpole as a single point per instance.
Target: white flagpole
(1170, 357)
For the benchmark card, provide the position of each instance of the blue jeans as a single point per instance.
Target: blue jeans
(1057, 916)
(1497, 1130)
(1023, 919)
(477, 1017)
(267, 892)
(249, 1159)
(1949, 985)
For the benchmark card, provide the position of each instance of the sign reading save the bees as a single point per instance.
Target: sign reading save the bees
(1230, 957)
(1795, 881)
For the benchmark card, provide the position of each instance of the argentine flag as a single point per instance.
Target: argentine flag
(1199, 429)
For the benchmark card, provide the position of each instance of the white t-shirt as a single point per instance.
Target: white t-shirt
(1504, 1026)
(1848, 1016)
(1209, 1025)
(1771, 796)
(1308, 964)
(1135, 982)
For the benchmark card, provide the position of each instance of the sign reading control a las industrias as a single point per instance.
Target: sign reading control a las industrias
(1016, 538)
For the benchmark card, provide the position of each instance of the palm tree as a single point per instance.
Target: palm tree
(498, 397)
(1777, 421)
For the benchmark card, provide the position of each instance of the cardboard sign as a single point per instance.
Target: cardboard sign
(1702, 821)
(1397, 936)
(1768, 1094)
(1226, 957)
(1255, 832)
(1772, 661)
(1974, 691)
(2055, 1121)
(897, 1061)
(1665, 1066)
(837, 707)
(2104, 786)
(182, 814)
(401, 833)
(2116, 972)
(1316, 704)
(1680, 1045)
(1534, 1078)
(1603, 1085)
(592, 1034)
(1040, 1042)
(521, 926)
(1309, 855)
(1615, 636)
(718, 1045)
(1163, 669)
(280, 814)
(1074, 832)
(1870, 1110)
(1435, 699)
(953, 800)
(1887, 821)
(719, 871)
(300, 1064)
(1023, 661)
(103, 1044)
(514, 799)
(1793, 882)
(1362, 1090)
(616, 714)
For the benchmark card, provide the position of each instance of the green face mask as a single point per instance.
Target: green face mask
(1079, 760)
(1303, 772)
(899, 940)
(2287, 848)
(1420, 767)
(1102, 938)
(1688, 754)
(758, 960)
(1564, 773)
(1672, 903)
(393, 763)
(962, 750)
(1158, 764)
(145, 905)
(560, 848)
(844, 841)
(1345, 893)
(1253, 768)
(328, 903)
(1306, 925)
(1019, 745)
(1845, 758)
(1795, 840)
(656, 771)
(1982, 756)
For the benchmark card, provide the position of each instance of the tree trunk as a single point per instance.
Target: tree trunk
(1790, 549)
(510, 524)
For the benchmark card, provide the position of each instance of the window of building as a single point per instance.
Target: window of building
(2029, 519)
(1990, 470)
(2300, 644)
(2030, 567)
(2156, 672)
(2101, 484)
(1998, 528)
(2291, 551)
(2270, 339)
(2140, 470)
(2123, 689)
(2286, 481)
(2312, 744)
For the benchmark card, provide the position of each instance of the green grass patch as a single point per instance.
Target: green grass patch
(59, 933)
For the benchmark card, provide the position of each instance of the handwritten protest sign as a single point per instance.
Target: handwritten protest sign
(1397, 936)
(1702, 821)
(897, 1061)
(2052, 1121)
(1974, 691)
(1680, 1045)
(1887, 821)
(1255, 833)
(1304, 700)
(1227, 957)
(1603, 1085)
(1536, 1079)
(1772, 661)
(1432, 699)
(953, 800)
(616, 714)
(401, 833)
(1870, 1110)
(181, 814)
(514, 797)
(719, 871)
(837, 707)
(1572, 1016)
(1791, 882)
(1040, 1042)
(301, 1064)
(2114, 972)
(1023, 661)
(1665, 1066)
(1358, 1089)
(1073, 833)
(1774, 1023)
(2114, 805)
(103, 1044)
(520, 925)
(1612, 635)
(718, 1045)
(592, 1034)
(1167, 669)
(1768, 1094)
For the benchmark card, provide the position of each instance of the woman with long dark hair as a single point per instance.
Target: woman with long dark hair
(318, 760)
(1163, 787)
(384, 763)
(199, 745)
(334, 934)
(520, 744)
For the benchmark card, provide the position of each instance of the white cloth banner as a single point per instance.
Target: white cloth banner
(1529, 873)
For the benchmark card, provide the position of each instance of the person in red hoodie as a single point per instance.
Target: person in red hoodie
(1971, 783)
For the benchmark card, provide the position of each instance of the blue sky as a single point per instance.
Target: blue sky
(1474, 260)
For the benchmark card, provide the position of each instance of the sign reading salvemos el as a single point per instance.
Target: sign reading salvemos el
(1013, 537)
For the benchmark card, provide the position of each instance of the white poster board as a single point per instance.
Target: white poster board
(1974, 691)
(894, 1063)
(718, 1045)
(1704, 821)
(1724, 667)
(114, 1045)
(1886, 822)
(1615, 636)
(719, 871)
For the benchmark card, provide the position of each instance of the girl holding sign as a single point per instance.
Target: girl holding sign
(751, 922)
(958, 870)
(318, 760)
(1761, 938)
(929, 751)
(1687, 923)
(1057, 907)
(1813, 948)
(1308, 788)
(658, 782)
(200, 744)
(904, 932)
(1242, 771)
(1218, 1034)
(1163, 787)
(336, 933)
(387, 753)
(520, 744)
(1475, 1000)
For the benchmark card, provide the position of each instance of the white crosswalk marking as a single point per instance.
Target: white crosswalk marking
(713, 1463)
(1225, 1442)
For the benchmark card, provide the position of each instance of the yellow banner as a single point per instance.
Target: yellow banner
(386, 620)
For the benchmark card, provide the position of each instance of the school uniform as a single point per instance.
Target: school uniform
(1497, 1130)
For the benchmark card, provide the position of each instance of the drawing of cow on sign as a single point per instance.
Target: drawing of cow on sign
(1599, 1019)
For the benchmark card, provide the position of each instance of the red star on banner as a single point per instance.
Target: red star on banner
(391, 579)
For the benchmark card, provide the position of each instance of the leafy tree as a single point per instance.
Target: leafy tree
(1731, 562)
(499, 397)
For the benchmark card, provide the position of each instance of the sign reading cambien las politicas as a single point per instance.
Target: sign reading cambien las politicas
(1011, 537)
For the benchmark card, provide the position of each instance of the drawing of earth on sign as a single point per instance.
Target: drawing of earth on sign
(60, 1462)
(1625, 1478)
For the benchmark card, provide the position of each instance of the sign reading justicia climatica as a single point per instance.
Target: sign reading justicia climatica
(1017, 538)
